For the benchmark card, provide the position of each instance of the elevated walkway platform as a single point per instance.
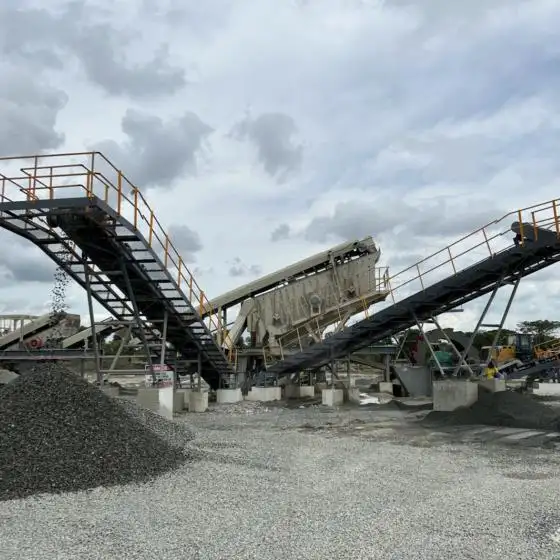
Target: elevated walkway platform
(94, 224)
(498, 254)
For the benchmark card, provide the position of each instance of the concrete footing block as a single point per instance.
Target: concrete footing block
(148, 398)
(264, 394)
(171, 399)
(332, 397)
(546, 389)
(386, 387)
(451, 394)
(493, 385)
(299, 391)
(198, 401)
(110, 390)
(227, 396)
(353, 395)
(319, 388)
(185, 396)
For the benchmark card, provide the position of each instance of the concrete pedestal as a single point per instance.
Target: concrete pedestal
(148, 398)
(353, 395)
(299, 391)
(333, 397)
(185, 396)
(169, 402)
(264, 394)
(546, 389)
(228, 396)
(319, 388)
(110, 391)
(493, 385)
(386, 387)
(198, 401)
(171, 399)
(452, 394)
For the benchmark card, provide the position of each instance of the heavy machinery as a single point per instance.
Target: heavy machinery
(519, 348)
(291, 308)
(37, 333)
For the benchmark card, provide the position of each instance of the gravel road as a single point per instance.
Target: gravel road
(271, 482)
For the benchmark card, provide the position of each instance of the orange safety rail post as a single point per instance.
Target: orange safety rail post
(119, 192)
(521, 229)
(555, 214)
(151, 234)
(535, 229)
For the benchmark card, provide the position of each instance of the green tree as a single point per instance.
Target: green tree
(542, 330)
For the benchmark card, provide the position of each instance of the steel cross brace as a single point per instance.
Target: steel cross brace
(480, 322)
(428, 343)
(503, 320)
(141, 332)
(462, 359)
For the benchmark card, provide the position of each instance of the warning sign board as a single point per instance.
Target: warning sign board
(163, 374)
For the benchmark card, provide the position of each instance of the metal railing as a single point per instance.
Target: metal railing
(91, 174)
(487, 241)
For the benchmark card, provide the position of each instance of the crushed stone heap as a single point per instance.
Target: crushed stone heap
(58, 433)
(504, 408)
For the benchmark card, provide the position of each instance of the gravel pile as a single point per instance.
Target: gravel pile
(175, 433)
(58, 433)
(506, 408)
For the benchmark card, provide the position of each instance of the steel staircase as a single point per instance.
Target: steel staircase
(114, 248)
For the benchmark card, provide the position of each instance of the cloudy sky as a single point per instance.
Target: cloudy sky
(262, 132)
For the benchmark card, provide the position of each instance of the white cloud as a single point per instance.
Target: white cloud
(412, 121)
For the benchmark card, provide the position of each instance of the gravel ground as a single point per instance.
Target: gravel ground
(272, 482)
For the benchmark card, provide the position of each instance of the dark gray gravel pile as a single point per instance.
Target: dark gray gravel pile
(506, 408)
(58, 433)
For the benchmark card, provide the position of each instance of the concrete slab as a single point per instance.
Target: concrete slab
(264, 394)
(198, 401)
(451, 394)
(7, 376)
(524, 435)
(506, 431)
(332, 397)
(226, 396)
(546, 389)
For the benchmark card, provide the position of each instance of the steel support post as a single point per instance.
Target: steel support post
(462, 360)
(478, 325)
(141, 332)
(428, 343)
(503, 320)
(125, 340)
(387, 368)
(164, 348)
(97, 361)
(199, 371)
